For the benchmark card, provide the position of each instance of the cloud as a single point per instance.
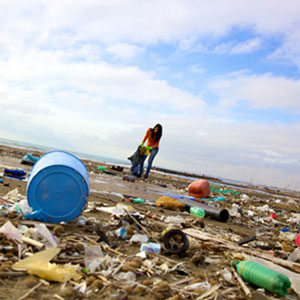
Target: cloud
(260, 91)
(58, 24)
(57, 88)
(198, 69)
(289, 51)
(124, 50)
(245, 47)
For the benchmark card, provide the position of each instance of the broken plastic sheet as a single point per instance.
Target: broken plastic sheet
(13, 196)
(10, 231)
(47, 235)
(215, 189)
(120, 210)
(39, 264)
(92, 257)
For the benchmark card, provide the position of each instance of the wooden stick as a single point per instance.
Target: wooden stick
(58, 297)
(103, 279)
(30, 291)
(243, 285)
(32, 242)
(106, 247)
(143, 228)
(91, 241)
(232, 246)
(12, 274)
(209, 292)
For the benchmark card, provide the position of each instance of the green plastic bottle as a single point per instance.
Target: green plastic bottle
(137, 200)
(197, 212)
(262, 276)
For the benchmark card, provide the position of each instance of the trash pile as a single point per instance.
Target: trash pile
(229, 244)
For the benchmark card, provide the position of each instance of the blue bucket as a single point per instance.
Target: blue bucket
(58, 187)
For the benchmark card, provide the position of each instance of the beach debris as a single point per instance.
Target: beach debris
(101, 168)
(175, 241)
(295, 255)
(169, 203)
(92, 255)
(297, 240)
(38, 264)
(29, 159)
(65, 187)
(197, 212)
(262, 276)
(136, 200)
(151, 247)
(199, 188)
(117, 168)
(13, 196)
(117, 251)
(129, 178)
(139, 238)
(15, 173)
(175, 220)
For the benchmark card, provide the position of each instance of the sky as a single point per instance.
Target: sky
(222, 77)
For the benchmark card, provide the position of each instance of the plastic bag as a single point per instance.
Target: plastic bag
(47, 235)
(139, 238)
(22, 207)
(10, 231)
(92, 257)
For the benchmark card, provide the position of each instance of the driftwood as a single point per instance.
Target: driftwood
(32, 242)
(241, 282)
(295, 267)
(12, 274)
(212, 290)
(34, 288)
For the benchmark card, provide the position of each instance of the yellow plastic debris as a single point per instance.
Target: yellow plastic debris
(169, 203)
(39, 264)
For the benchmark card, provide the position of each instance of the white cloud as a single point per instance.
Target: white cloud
(246, 47)
(198, 69)
(124, 50)
(56, 89)
(260, 91)
(239, 48)
(59, 24)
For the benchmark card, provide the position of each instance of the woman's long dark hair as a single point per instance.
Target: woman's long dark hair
(158, 134)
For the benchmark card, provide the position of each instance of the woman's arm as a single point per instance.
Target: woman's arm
(145, 137)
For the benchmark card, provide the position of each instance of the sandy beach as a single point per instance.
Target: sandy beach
(164, 276)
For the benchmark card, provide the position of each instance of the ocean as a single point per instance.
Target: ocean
(97, 158)
(125, 163)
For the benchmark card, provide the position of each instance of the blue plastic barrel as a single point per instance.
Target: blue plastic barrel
(58, 187)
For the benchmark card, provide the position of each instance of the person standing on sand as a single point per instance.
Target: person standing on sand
(152, 136)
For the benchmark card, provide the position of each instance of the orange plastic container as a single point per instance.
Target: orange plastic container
(199, 188)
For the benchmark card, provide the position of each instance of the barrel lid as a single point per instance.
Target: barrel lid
(58, 192)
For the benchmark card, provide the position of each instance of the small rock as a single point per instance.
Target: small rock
(30, 281)
(147, 282)
(79, 247)
(163, 287)
(140, 290)
(127, 268)
(58, 229)
(97, 284)
(198, 258)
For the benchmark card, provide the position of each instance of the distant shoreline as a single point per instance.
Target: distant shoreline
(40, 150)
(264, 189)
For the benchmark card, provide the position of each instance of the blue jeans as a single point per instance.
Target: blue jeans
(153, 153)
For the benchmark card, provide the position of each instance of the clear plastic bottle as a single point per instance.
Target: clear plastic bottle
(262, 276)
(197, 212)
